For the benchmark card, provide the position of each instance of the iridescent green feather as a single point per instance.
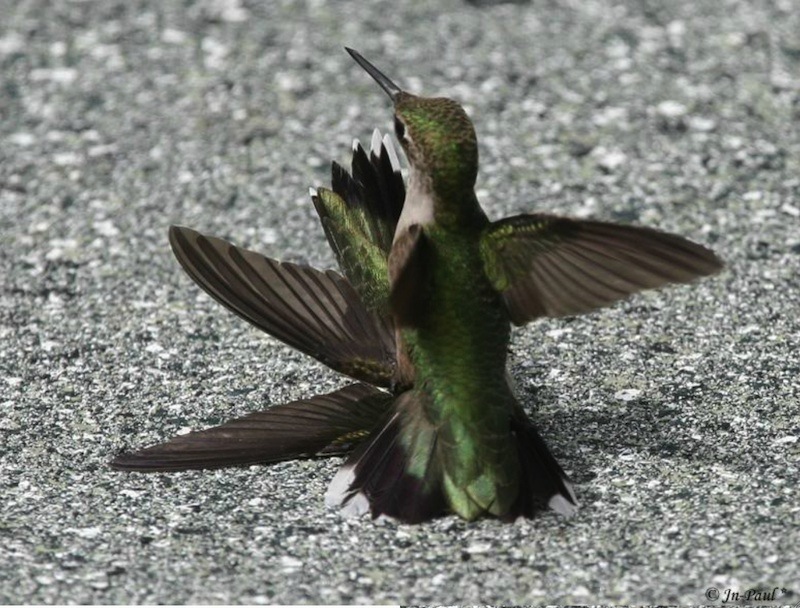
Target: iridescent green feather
(361, 259)
(507, 246)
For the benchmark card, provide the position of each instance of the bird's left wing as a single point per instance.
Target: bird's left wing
(549, 266)
(318, 313)
(323, 425)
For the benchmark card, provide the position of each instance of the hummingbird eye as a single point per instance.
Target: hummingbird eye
(399, 129)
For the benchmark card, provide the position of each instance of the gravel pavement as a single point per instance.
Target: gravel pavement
(676, 412)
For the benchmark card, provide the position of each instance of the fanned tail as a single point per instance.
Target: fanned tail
(375, 190)
(543, 482)
(399, 471)
(395, 472)
(359, 214)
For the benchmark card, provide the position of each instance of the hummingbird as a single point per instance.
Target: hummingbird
(420, 317)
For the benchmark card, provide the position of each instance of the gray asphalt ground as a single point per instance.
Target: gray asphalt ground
(676, 412)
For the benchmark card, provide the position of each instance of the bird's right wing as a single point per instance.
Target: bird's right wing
(552, 266)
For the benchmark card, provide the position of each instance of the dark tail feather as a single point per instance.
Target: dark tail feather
(386, 476)
(398, 472)
(543, 483)
(376, 186)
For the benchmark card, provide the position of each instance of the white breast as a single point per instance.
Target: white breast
(418, 206)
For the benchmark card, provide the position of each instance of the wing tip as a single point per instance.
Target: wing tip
(137, 462)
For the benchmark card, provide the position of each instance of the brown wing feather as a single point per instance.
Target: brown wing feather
(315, 312)
(552, 266)
(322, 425)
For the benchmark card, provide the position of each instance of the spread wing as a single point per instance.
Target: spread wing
(316, 312)
(359, 216)
(552, 266)
(320, 426)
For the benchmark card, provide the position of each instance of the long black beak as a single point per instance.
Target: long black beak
(392, 90)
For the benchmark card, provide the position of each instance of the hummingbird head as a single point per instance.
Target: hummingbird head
(439, 140)
(436, 134)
